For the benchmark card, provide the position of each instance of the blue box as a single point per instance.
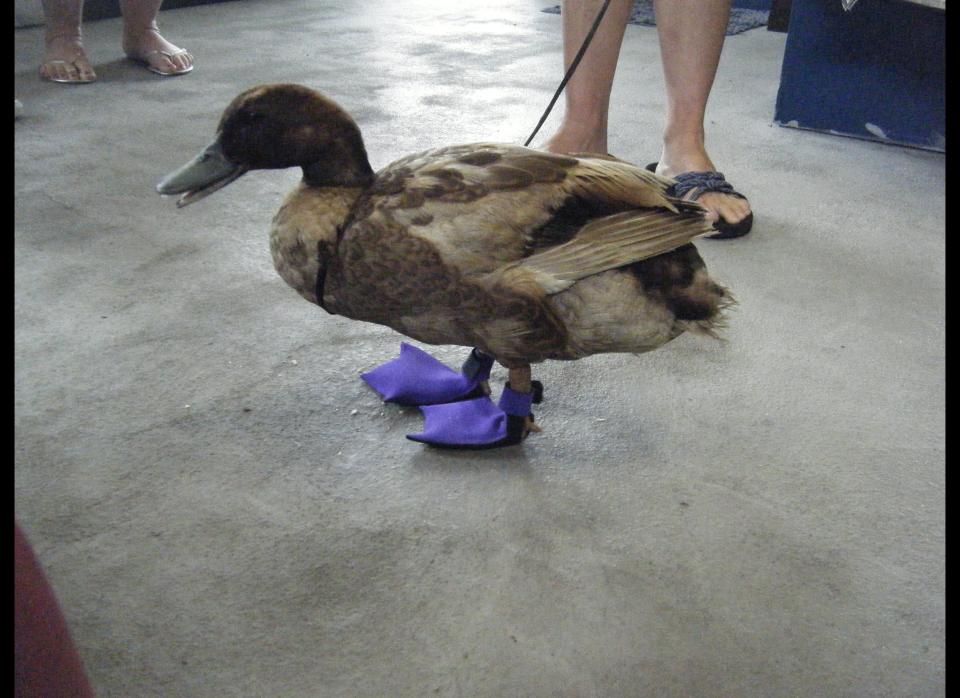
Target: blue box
(876, 72)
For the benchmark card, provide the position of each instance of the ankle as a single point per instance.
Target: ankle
(70, 36)
(684, 137)
(133, 36)
(579, 138)
(684, 153)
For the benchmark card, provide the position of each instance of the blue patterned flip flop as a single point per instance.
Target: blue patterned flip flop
(701, 183)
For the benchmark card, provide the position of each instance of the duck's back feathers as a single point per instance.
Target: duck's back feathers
(504, 230)
(486, 205)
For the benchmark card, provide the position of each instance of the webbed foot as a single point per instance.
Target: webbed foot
(478, 423)
(416, 378)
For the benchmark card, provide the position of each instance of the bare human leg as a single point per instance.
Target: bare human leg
(587, 95)
(143, 42)
(64, 59)
(691, 39)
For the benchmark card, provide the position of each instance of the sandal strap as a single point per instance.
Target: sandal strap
(701, 183)
(159, 52)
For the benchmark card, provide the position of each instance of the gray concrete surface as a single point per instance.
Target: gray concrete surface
(28, 13)
(226, 510)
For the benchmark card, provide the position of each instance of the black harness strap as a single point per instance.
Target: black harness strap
(322, 276)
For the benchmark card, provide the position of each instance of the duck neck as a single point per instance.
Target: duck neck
(303, 237)
(346, 166)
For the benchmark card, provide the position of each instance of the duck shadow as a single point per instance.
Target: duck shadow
(508, 460)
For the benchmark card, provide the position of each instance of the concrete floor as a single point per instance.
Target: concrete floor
(226, 510)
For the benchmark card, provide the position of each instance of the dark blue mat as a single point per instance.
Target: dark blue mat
(740, 19)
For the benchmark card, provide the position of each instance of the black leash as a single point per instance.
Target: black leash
(322, 274)
(573, 67)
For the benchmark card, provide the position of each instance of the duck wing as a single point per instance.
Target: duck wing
(485, 205)
(608, 243)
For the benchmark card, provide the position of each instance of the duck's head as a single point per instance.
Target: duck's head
(275, 127)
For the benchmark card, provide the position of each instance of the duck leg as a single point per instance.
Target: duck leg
(521, 382)
(519, 379)
(457, 408)
(478, 423)
(477, 369)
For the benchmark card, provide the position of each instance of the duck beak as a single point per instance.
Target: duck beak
(202, 176)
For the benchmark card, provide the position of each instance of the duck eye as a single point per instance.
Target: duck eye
(251, 117)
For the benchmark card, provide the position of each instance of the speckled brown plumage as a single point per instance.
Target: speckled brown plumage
(524, 254)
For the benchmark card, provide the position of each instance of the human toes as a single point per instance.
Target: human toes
(67, 69)
(59, 71)
(732, 209)
(183, 60)
(162, 62)
(83, 69)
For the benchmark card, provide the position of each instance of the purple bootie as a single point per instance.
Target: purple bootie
(476, 423)
(416, 378)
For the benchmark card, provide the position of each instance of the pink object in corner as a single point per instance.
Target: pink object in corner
(46, 663)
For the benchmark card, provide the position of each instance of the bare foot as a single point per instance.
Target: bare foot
(159, 55)
(66, 61)
(677, 159)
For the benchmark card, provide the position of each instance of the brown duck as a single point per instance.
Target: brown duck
(523, 254)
